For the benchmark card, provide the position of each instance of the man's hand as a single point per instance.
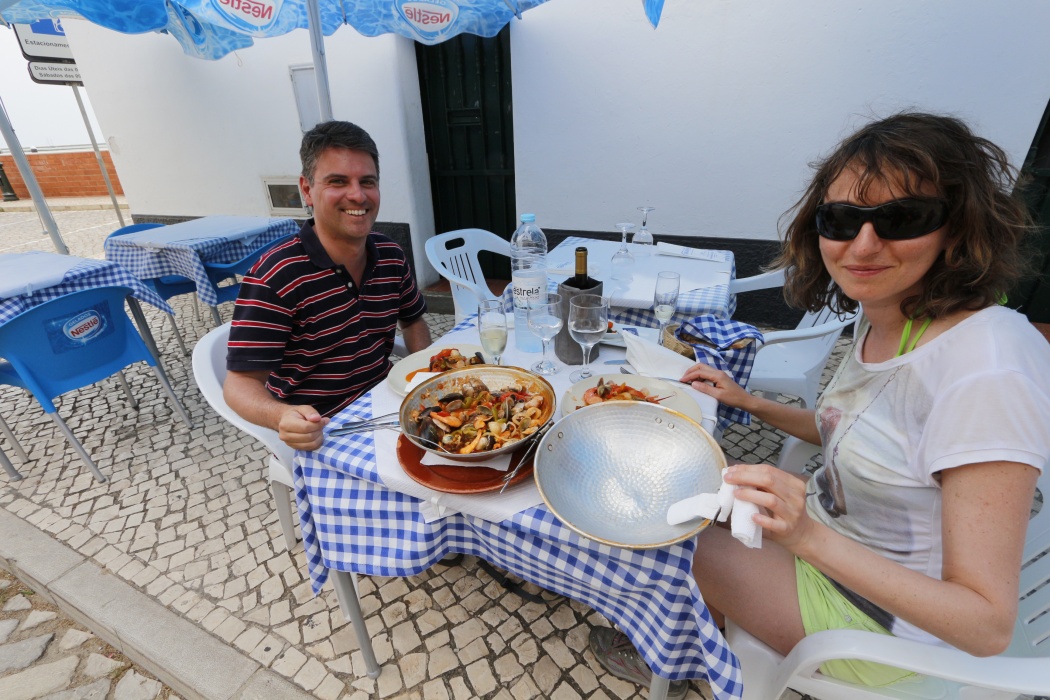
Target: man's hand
(300, 427)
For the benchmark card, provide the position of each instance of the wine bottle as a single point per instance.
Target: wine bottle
(567, 349)
(581, 280)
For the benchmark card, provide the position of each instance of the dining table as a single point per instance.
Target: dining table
(30, 279)
(360, 512)
(703, 287)
(185, 249)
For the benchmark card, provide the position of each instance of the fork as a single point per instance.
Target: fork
(524, 457)
(624, 370)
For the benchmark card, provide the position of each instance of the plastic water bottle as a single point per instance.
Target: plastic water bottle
(528, 276)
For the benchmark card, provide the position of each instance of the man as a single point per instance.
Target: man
(315, 321)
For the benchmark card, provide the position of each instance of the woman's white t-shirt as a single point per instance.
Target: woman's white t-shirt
(978, 392)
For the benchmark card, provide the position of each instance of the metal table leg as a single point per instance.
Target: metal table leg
(144, 331)
(347, 595)
(658, 688)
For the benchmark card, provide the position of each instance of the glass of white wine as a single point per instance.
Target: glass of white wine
(588, 323)
(545, 321)
(665, 298)
(492, 325)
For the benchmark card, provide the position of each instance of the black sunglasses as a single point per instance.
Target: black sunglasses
(899, 220)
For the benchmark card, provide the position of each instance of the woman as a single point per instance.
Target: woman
(934, 428)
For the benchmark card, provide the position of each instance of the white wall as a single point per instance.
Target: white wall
(42, 115)
(713, 117)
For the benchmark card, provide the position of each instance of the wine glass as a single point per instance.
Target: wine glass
(545, 321)
(643, 237)
(492, 325)
(623, 259)
(588, 323)
(665, 298)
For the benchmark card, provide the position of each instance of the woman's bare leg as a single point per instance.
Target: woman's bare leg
(755, 588)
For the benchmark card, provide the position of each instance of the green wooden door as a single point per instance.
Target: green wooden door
(1032, 297)
(465, 85)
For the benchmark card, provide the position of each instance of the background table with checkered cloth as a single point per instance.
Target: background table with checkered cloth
(714, 299)
(87, 274)
(182, 249)
(351, 522)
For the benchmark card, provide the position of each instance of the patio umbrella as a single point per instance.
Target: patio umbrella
(210, 29)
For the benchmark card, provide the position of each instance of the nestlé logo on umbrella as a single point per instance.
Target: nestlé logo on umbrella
(429, 18)
(249, 15)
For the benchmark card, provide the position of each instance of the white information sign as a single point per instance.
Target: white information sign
(44, 39)
(55, 73)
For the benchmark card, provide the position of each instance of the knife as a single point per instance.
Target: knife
(616, 362)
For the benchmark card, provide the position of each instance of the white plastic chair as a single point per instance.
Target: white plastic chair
(455, 256)
(950, 674)
(791, 362)
(209, 369)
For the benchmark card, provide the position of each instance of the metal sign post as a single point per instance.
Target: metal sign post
(98, 156)
(45, 46)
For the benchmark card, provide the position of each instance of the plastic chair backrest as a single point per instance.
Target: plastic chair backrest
(218, 272)
(209, 370)
(1032, 634)
(72, 341)
(455, 256)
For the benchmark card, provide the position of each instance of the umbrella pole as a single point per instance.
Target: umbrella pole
(324, 96)
(35, 192)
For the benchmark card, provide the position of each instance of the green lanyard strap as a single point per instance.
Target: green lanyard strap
(905, 346)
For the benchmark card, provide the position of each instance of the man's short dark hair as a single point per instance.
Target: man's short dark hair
(334, 134)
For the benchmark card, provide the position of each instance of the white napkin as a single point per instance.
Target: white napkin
(705, 505)
(681, 251)
(418, 378)
(654, 360)
(501, 463)
(492, 506)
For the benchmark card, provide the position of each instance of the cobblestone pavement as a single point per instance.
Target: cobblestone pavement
(43, 654)
(187, 518)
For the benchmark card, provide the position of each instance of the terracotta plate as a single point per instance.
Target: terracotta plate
(453, 479)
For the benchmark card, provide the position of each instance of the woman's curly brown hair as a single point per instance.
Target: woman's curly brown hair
(909, 151)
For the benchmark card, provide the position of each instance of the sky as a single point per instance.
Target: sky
(42, 115)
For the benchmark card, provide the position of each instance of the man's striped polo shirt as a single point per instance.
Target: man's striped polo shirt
(324, 340)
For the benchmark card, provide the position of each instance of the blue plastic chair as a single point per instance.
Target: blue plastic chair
(72, 342)
(4, 461)
(220, 272)
(167, 286)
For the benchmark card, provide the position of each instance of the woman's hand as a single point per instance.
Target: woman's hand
(716, 383)
(781, 495)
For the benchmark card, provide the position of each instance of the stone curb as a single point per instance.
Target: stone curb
(187, 659)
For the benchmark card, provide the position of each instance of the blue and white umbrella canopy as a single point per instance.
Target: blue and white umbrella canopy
(210, 29)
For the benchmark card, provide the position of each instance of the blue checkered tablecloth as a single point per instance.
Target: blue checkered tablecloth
(351, 522)
(87, 274)
(736, 362)
(183, 249)
(715, 300)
